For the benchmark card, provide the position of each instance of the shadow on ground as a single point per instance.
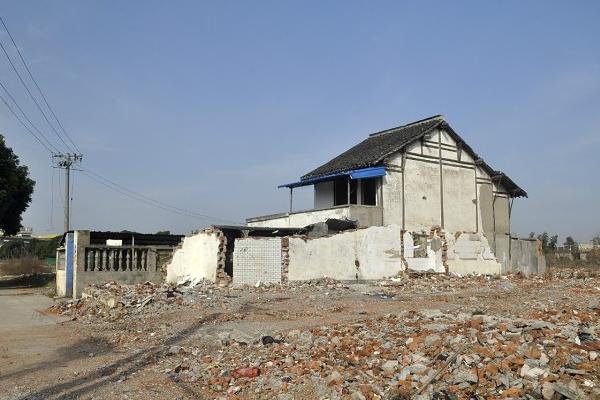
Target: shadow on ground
(74, 351)
(26, 281)
(118, 370)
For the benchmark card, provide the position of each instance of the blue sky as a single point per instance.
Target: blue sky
(210, 105)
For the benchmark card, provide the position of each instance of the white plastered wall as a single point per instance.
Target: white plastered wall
(196, 259)
(422, 190)
(391, 191)
(370, 253)
(422, 195)
(323, 194)
(302, 219)
(433, 259)
(460, 206)
(470, 253)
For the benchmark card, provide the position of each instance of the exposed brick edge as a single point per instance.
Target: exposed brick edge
(285, 258)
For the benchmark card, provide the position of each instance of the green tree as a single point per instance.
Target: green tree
(15, 189)
(596, 240)
(40, 248)
(552, 242)
(544, 238)
(569, 241)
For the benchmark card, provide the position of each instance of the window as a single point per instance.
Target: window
(369, 192)
(366, 187)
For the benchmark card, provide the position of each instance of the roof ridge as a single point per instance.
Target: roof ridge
(441, 117)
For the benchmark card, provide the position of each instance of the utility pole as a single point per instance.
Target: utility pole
(66, 162)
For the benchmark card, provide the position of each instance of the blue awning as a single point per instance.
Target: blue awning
(372, 172)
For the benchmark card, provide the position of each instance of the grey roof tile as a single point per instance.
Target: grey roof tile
(372, 150)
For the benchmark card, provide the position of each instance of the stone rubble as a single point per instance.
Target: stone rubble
(478, 351)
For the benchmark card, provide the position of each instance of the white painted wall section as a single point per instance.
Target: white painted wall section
(470, 253)
(422, 195)
(392, 192)
(324, 194)
(197, 258)
(370, 253)
(433, 259)
(460, 205)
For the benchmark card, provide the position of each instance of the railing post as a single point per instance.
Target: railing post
(111, 259)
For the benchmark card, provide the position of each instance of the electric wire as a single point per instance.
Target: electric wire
(24, 125)
(38, 86)
(26, 117)
(90, 174)
(147, 200)
(33, 97)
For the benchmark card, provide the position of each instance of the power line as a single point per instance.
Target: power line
(23, 123)
(38, 86)
(33, 97)
(26, 117)
(147, 200)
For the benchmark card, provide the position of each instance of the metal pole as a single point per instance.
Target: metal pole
(67, 197)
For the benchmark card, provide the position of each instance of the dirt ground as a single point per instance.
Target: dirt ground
(428, 337)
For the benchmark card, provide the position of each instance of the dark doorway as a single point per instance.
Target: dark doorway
(369, 192)
(340, 191)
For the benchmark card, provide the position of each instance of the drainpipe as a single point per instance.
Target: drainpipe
(291, 198)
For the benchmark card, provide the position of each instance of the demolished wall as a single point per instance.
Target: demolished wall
(470, 253)
(257, 259)
(422, 252)
(200, 256)
(527, 256)
(358, 254)
(370, 253)
(91, 264)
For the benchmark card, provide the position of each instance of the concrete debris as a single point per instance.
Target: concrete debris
(441, 337)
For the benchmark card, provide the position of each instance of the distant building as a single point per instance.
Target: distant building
(25, 232)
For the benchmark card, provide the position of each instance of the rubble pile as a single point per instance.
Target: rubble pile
(406, 337)
(114, 301)
(425, 354)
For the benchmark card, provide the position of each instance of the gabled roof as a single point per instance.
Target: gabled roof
(373, 150)
(376, 147)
